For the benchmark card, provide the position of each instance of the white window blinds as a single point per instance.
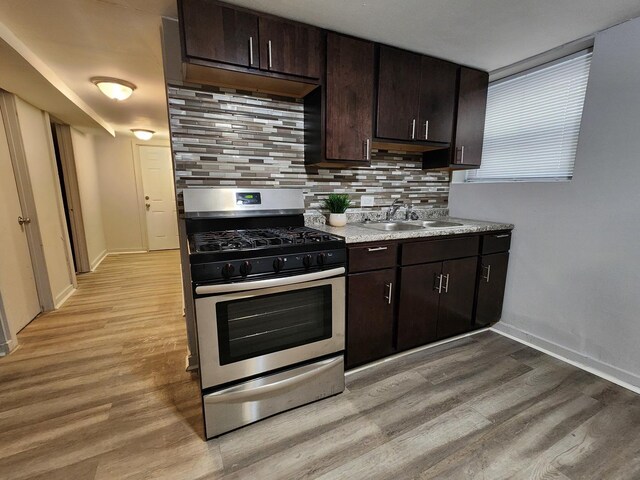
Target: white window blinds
(533, 122)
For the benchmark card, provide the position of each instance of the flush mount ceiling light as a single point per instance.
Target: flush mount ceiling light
(142, 134)
(114, 88)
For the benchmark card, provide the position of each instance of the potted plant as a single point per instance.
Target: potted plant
(337, 204)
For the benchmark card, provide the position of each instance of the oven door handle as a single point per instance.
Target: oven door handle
(245, 393)
(273, 282)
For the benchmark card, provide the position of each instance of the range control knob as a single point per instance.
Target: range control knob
(278, 264)
(321, 259)
(245, 268)
(307, 261)
(228, 270)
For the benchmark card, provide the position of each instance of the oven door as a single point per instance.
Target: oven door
(241, 334)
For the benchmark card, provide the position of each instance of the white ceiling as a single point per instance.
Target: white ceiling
(79, 39)
(487, 34)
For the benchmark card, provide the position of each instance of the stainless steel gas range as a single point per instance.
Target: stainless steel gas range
(269, 299)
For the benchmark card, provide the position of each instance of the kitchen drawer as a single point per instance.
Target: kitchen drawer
(496, 242)
(437, 250)
(373, 257)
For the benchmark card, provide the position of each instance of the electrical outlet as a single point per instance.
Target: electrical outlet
(367, 201)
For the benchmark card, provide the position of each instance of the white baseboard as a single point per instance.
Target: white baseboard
(613, 374)
(98, 260)
(7, 347)
(413, 350)
(191, 363)
(63, 296)
(125, 252)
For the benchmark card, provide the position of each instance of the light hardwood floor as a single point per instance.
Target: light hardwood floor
(97, 390)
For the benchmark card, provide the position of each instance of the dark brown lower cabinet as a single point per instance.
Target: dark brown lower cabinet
(492, 278)
(418, 305)
(370, 316)
(436, 301)
(456, 300)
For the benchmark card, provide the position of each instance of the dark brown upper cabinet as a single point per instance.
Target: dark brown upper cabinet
(231, 46)
(398, 94)
(468, 134)
(416, 97)
(289, 48)
(437, 100)
(349, 98)
(216, 32)
(472, 108)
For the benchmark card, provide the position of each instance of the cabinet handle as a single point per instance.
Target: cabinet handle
(270, 59)
(367, 149)
(446, 285)
(413, 129)
(251, 51)
(376, 249)
(461, 156)
(488, 275)
(437, 286)
(426, 130)
(504, 235)
(388, 296)
(24, 221)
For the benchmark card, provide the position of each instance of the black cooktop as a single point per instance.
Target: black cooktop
(259, 238)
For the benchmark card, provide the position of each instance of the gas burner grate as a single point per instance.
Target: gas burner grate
(235, 240)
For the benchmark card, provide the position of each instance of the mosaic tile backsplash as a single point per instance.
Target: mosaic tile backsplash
(221, 137)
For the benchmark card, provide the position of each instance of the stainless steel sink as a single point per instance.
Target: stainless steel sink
(392, 226)
(439, 224)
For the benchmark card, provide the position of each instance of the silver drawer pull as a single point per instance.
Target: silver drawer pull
(488, 270)
(437, 286)
(376, 249)
(388, 296)
(504, 235)
(446, 285)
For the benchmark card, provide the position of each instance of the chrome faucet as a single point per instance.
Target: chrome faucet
(393, 208)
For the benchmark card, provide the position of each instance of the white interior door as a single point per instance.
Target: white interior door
(160, 200)
(17, 281)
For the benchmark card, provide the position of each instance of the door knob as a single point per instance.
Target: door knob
(146, 197)
(148, 205)
(22, 221)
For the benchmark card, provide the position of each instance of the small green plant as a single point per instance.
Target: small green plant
(337, 202)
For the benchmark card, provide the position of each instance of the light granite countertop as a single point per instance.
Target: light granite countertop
(356, 233)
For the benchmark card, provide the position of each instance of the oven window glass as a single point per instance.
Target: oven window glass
(264, 324)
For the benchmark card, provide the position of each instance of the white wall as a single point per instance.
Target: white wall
(90, 200)
(38, 146)
(121, 192)
(574, 273)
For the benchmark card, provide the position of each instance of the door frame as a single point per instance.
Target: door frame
(7, 342)
(72, 192)
(25, 195)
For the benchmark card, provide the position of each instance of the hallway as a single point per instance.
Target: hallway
(103, 380)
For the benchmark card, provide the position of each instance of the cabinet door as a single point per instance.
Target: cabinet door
(437, 100)
(398, 94)
(472, 108)
(418, 305)
(456, 300)
(349, 122)
(291, 48)
(370, 316)
(219, 33)
(492, 279)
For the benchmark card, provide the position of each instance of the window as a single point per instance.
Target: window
(533, 122)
